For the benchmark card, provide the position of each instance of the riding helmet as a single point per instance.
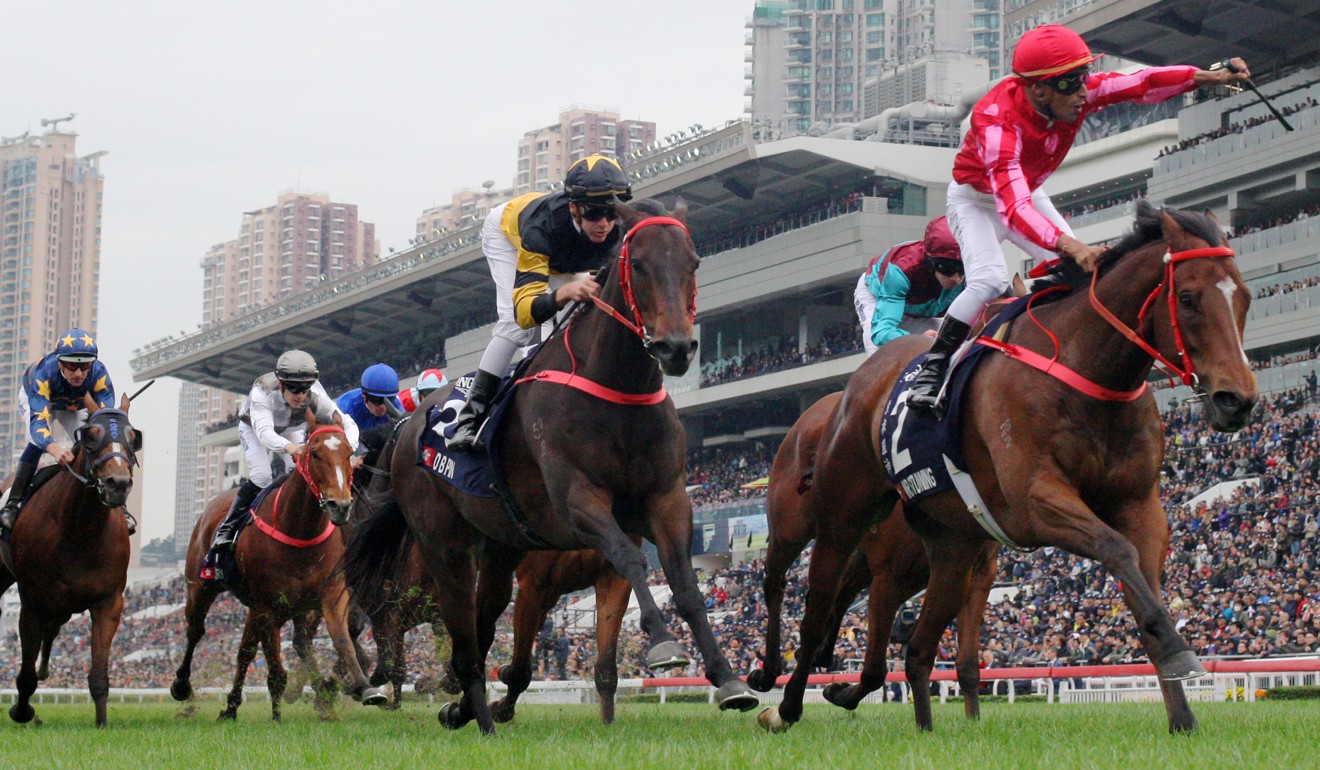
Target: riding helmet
(76, 346)
(431, 379)
(296, 366)
(1050, 50)
(942, 248)
(380, 380)
(596, 177)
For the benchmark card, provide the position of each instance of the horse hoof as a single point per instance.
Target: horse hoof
(22, 713)
(735, 694)
(501, 713)
(666, 655)
(770, 721)
(373, 696)
(761, 680)
(449, 716)
(1179, 666)
(834, 694)
(227, 714)
(180, 690)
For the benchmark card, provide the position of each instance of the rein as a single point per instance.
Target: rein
(304, 469)
(90, 464)
(636, 326)
(1052, 367)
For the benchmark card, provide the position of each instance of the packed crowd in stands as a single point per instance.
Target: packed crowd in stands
(776, 355)
(1299, 215)
(1092, 207)
(1243, 579)
(1234, 128)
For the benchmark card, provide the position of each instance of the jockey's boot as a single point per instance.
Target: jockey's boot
(227, 532)
(17, 494)
(473, 413)
(925, 393)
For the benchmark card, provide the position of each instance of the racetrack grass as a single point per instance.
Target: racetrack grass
(1232, 735)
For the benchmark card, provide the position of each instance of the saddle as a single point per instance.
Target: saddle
(224, 566)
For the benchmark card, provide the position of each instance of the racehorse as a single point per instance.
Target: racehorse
(593, 452)
(288, 566)
(69, 553)
(891, 560)
(1064, 452)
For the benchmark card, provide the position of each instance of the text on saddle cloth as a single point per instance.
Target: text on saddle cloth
(469, 472)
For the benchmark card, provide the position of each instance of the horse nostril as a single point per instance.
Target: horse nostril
(1228, 401)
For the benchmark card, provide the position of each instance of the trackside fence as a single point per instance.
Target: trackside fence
(1225, 680)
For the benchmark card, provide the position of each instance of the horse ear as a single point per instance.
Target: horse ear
(136, 443)
(124, 403)
(311, 420)
(628, 216)
(1019, 286)
(680, 210)
(90, 403)
(1174, 234)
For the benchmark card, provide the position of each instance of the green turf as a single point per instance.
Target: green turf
(1232, 735)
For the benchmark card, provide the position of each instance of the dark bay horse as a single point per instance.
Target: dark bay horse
(891, 561)
(1066, 458)
(594, 452)
(288, 562)
(69, 553)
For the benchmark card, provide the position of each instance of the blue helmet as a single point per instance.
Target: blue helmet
(76, 346)
(380, 380)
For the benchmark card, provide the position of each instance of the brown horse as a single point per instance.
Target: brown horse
(69, 553)
(1071, 463)
(288, 564)
(593, 451)
(892, 561)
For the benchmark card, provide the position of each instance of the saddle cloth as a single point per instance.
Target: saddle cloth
(470, 472)
(225, 567)
(918, 449)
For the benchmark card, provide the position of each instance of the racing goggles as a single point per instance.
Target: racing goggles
(596, 213)
(296, 387)
(76, 366)
(374, 400)
(946, 265)
(1069, 82)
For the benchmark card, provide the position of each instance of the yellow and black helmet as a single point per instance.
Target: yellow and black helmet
(598, 177)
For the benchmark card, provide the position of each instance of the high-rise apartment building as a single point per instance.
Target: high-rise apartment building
(466, 208)
(544, 154)
(281, 250)
(50, 257)
(810, 59)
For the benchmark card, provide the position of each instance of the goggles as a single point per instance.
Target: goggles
(947, 266)
(374, 400)
(596, 213)
(1070, 82)
(76, 366)
(296, 387)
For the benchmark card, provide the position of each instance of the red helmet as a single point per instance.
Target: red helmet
(942, 248)
(1050, 50)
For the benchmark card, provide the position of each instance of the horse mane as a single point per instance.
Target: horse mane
(1147, 228)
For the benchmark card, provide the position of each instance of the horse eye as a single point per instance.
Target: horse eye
(1187, 300)
(638, 268)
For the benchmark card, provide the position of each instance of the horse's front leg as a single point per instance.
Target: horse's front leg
(247, 650)
(1063, 520)
(1148, 531)
(889, 589)
(105, 622)
(970, 618)
(534, 601)
(669, 518)
(201, 594)
(793, 529)
(334, 606)
(30, 634)
(612, 593)
(276, 676)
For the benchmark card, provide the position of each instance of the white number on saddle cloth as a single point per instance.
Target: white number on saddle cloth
(449, 414)
(899, 412)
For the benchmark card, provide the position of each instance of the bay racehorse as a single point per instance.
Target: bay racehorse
(288, 564)
(409, 599)
(69, 553)
(891, 561)
(593, 452)
(1061, 436)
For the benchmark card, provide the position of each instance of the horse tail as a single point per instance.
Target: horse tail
(371, 558)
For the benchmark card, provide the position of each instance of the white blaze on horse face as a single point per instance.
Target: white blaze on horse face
(339, 476)
(1229, 287)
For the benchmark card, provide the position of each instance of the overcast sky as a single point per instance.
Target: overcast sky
(210, 110)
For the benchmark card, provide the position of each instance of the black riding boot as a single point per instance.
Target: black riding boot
(17, 493)
(473, 413)
(228, 529)
(925, 393)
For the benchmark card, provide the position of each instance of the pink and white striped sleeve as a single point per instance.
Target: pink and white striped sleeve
(1148, 86)
(1001, 155)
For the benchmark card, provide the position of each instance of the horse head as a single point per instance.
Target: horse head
(327, 466)
(657, 277)
(107, 451)
(1205, 312)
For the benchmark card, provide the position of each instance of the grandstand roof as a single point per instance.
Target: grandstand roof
(1266, 33)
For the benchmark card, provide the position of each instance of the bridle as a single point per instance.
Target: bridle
(304, 469)
(90, 457)
(638, 324)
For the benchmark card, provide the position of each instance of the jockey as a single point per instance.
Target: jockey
(428, 382)
(1021, 131)
(906, 288)
(540, 247)
(273, 419)
(377, 401)
(53, 388)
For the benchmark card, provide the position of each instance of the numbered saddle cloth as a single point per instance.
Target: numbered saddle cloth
(469, 472)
